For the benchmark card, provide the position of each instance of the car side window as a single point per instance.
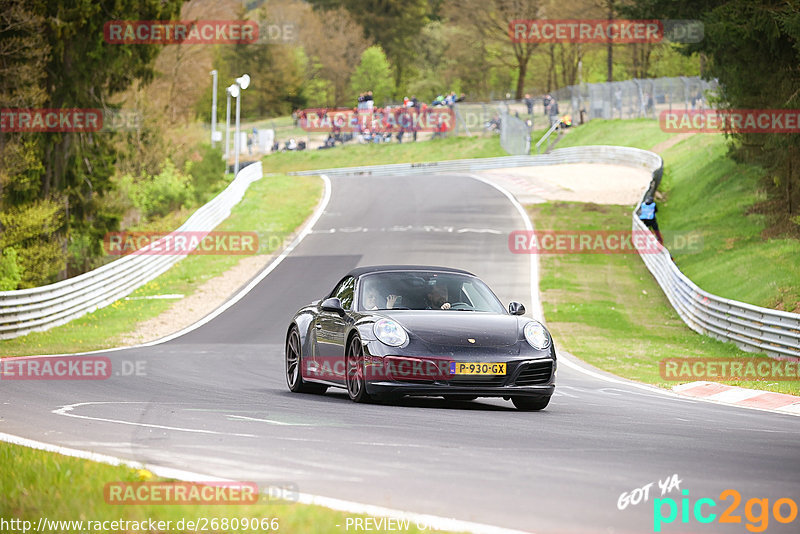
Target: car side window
(344, 292)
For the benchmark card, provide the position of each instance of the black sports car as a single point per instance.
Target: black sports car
(388, 331)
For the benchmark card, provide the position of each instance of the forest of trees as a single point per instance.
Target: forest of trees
(61, 192)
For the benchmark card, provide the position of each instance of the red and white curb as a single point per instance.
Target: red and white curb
(736, 396)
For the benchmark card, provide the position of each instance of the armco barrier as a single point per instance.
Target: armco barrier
(41, 308)
(752, 328)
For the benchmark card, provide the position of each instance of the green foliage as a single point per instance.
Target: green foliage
(373, 74)
(10, 272)
(156, 196)
(395, 26)
(753, 48)
(53, 186)
(276, 74)
(208, 174)
(32, 230)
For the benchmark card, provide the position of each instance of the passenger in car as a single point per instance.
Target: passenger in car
(372, 298)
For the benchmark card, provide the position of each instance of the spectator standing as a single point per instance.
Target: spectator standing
(553, 111)
(529, 104)
(647, 213)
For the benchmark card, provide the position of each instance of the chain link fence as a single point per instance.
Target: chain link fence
(634, 99)
(515, 135)
(631, 99)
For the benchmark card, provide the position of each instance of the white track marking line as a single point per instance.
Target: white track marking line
(562, 359)
(320, 209)
(431, 522)
(536, 301)
(66, 409)
(270, 421)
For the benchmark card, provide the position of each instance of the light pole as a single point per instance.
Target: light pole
(214, 107)
(232, 91)
(242, 82)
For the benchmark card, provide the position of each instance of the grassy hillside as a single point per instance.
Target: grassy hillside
(706, 192)
(353, 154)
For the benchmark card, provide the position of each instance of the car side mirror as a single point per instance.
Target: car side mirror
(515, 308)
(332, 304)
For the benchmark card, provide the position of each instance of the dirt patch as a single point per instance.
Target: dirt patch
(671, 142)
(591, 206)
(573, 182)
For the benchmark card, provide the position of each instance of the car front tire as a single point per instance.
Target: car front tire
(354, 368)
(530, 404)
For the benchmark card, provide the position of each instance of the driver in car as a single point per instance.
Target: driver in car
(437, 297)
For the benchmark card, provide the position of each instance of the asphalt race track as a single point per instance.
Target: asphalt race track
(215, 400)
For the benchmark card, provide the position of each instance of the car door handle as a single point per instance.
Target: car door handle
(318, 325)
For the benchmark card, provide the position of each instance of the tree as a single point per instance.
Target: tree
(393, 24)
(373, 74)
(85, 72)
(334, 41)
(490, 19)
(753, 49)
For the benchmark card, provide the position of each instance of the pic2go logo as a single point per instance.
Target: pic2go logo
(758, 521)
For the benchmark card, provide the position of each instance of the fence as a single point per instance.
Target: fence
(633, 99)
(752, 328)
(44, 307)
(515, 136)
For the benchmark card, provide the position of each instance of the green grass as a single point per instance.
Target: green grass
(638, 133)
(36, 484)
(352, 155)
(711, 194)
(272, 207)
(708, 193)
(609, 311)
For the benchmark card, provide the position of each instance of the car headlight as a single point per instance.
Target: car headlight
(389, 332)
(536, 335)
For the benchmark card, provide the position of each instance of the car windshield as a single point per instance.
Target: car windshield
(421, 290)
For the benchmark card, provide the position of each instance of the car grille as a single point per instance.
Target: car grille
(478, 382)
(535, 373)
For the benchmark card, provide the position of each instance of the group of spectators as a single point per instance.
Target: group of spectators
(383, 124)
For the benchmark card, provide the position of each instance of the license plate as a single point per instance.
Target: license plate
(465, 368)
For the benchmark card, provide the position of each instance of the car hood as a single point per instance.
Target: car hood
(452, 327)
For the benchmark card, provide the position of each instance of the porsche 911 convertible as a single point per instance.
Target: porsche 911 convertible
(390, 331)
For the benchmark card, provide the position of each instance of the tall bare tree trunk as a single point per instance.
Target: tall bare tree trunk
(523, 71)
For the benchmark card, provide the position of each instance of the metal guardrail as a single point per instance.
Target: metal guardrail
(41, 308)
(752, 328)
(548, 133)
(584, 154)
